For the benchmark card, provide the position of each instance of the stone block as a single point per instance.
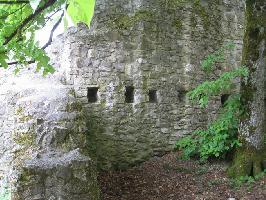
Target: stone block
(57, 175)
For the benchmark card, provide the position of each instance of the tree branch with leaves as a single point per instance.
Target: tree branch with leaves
(21, 19)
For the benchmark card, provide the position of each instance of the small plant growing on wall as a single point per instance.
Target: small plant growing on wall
(220, 136)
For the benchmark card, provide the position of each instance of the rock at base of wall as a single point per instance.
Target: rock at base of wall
(55, 175)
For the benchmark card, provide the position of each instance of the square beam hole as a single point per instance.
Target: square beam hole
(224, 98)
(182, 95)
(129, 94)
(152, 96)
(92, 94)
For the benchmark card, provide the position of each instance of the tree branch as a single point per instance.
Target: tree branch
(28, 19)
(52, 31)
(17, 62)
(46, 45)
(50, 17)
(13, 2)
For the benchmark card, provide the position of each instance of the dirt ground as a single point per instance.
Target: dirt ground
(169, 178)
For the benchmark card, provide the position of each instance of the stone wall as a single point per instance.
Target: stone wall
(154, 48)
(36, 147)
(118, 94)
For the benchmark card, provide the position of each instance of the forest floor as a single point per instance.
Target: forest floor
(170, 178)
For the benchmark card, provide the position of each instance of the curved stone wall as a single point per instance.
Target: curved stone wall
(132, 69)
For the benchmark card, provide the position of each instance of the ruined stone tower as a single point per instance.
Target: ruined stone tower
(118, 94)
(132, 69)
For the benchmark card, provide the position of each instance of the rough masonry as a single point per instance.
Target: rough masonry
(117, 97)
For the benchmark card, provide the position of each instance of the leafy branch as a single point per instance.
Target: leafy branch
(14, 2)
(21, 19)
(28, 19)
(221, 134)
(52, 31)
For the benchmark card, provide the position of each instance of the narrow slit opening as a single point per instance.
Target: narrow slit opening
(182, 95)
(92, 94)
(129, 94)
(152, 96)
(224, 98)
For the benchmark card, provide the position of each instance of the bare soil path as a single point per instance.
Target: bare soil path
(169, 178)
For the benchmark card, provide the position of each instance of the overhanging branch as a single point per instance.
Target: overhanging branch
(28, 19)
(13, 2)
(45, 46)
(17, 62)
(52, 31)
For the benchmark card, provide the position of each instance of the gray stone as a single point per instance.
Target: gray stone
(53, 175)
(130, 43)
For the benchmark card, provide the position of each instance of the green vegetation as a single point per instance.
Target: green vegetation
(19, 21)
(248, 181)
(221, 135)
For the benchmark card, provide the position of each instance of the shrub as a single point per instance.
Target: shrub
(221, 134)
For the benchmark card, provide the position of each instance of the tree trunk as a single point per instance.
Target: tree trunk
(250, 158)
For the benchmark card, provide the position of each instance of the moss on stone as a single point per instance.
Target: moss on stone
(25, 177)
(103, 103)
(173, 4)
(125, 22)
(198, 9)
(21, 116)
(25, 118)
(247, 162)
(145, 83)
(25, 138)
(72, 92)
(19, 111)
(177, 23)
(74, 106)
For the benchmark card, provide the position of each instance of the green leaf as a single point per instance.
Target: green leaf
(3, 62)
(81, 10)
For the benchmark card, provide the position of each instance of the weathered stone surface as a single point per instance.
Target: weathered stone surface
(38, 116)
(56, 175)
(153, 46)
(148, 45)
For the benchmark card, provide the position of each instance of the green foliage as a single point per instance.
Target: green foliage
(247, 180)
(81, 10)
(211, 60)
(223, 84)
(221, 134)
(19, 22)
